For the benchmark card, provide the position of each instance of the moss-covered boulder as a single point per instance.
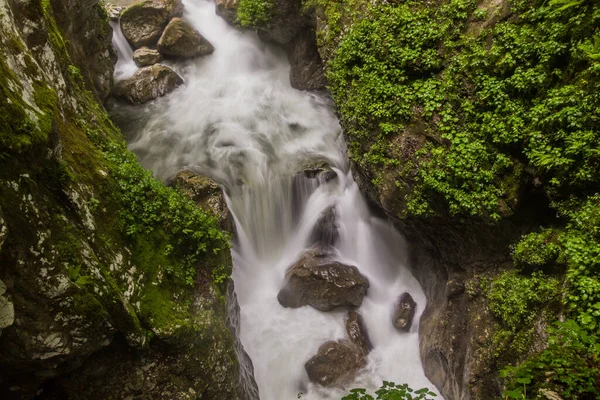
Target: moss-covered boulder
(143, 22)
(148, 83)
(181, 40)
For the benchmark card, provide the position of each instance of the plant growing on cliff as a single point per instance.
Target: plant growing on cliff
(254, 13)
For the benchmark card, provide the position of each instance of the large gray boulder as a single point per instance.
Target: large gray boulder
(148, 83)
(404, 312)
(181, 40)
(145, 56)
(143, 22)
(324, 284)
(336, 362)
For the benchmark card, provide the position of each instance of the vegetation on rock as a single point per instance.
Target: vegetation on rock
(254, 13)
(462, 109)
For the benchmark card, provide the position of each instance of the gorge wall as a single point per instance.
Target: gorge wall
(111, 284)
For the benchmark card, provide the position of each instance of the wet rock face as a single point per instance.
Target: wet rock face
(227, 9)
(7, 309)
(325, 233)
(307, 71)
(143, 22)
(206, 193)
(148, 83)
(404, 312)
(181, 40)
(335, 363)
(324, 284)
(145, 56)
(357, 332)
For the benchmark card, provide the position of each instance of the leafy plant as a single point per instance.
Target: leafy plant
(254, 13)
(391, 391)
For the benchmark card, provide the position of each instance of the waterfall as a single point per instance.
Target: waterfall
(238, 120)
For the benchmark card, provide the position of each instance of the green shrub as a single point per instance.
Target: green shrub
(391, 391)
(254, 13)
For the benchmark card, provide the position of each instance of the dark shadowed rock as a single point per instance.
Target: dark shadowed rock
(404, 312)
(181, 40)
(148, 83)
(325, 233)
(335, 363)
(227, 9)
(324, 284)
(206, 193)
(145, 56)
(306, 66)
(357, 332)
(143, 22)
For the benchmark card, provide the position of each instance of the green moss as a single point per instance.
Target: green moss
(254, 13)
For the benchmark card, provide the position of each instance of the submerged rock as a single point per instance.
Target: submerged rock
(324, 284)
(181, 40)
(336, 362)
(143, 22)
(404, 312)
(227, 9)
(357, 332)
(325, 232)
(148, 83)
(206, 193)
(145, 56)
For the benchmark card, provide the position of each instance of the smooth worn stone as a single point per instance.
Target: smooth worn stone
(145, 56)
(181, 40)
(148, 83)
(336, 362)
(143, 23)
(404, 312)
(324, 284)
(357, 332)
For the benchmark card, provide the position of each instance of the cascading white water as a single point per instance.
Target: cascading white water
(238, 120)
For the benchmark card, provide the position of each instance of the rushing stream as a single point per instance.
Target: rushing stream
(238, 121)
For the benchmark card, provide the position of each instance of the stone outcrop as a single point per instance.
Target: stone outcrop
(148, 83)
(307, 68)
(181, 40)
(404, 311)
(337, 362)
(143, 22)
(324, 284)
(145, 57)
(206, 193)
(357, 332)
(91, 303)
(227, 9)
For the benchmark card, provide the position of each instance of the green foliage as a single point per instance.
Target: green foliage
(516, 299)
(537, 250)
(528, 97)
(254, 13)
(150, 209)
(569, 366)
(391, 391)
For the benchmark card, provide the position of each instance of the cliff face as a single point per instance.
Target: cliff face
(108, 279)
